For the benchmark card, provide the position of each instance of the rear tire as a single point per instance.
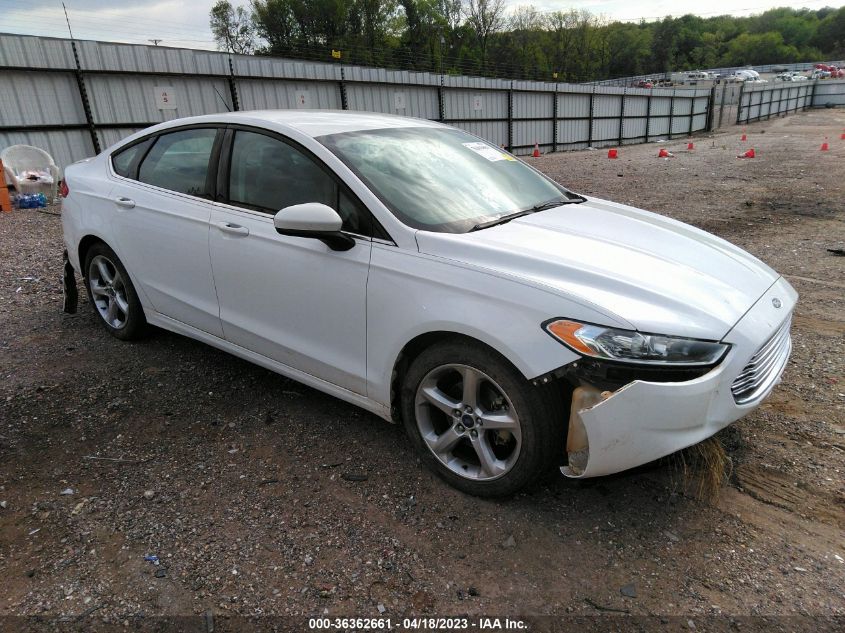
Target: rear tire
(477, 422)
(112, 294)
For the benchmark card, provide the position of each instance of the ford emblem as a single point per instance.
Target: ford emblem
(776, 302)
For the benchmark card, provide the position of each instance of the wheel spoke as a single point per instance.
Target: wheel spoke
(490, 465)
(122, 303)
(105, 274)
(472, 382)
(439, 399)
(111, 314)
(97, 288)
(442, 444)
(498, 420)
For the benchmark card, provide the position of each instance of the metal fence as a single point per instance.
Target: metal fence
(75, 98)
(763, 101)
(829, 93)
(723, 72)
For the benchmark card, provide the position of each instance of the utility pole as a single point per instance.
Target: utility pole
(154, 41)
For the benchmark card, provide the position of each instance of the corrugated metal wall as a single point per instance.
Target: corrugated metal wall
(829, 92)
(763, 101)
(44, 106)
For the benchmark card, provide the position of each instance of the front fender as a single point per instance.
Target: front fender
(409, 294)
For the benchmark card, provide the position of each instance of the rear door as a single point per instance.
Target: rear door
(162, 201)
(291, 299)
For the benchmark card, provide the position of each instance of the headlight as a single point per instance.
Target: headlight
(633, 347)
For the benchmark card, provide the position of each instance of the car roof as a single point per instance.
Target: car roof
(310, 122)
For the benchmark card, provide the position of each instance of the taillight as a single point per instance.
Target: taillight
(63, 190)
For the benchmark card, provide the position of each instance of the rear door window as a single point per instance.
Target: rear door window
(179, 162)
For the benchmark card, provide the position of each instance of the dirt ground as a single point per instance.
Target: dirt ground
(263, 497)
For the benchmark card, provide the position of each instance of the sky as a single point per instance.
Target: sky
(184, 23)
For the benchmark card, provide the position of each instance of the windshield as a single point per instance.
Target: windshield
(441, 179)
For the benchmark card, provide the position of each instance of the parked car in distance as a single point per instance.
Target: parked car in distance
(431, 278)
(791, 76)
(643, 83)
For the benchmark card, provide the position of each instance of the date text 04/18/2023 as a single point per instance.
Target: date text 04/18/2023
(420, 624)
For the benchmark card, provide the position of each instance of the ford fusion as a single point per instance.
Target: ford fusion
(429, 277)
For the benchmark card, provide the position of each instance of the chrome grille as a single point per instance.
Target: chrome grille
(764, 368)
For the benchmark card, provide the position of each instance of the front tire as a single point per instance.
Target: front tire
(112, 294)
(477, 422)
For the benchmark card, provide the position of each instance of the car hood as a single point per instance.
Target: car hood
(657, 274)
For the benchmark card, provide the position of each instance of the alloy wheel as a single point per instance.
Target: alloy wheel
(468, 422)
(108, 291)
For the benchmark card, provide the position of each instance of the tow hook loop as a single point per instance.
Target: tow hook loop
(71, 296)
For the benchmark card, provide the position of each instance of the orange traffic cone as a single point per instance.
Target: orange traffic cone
(749, 154)
(690, 145)
(842, 136)
(536, 153)
(744, 137)
(664, 154)
(612, 153)
(825, 147)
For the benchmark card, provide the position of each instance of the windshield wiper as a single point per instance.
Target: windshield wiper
(541, 206)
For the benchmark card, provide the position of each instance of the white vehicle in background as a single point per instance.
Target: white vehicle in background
(691, 77)
(433, 279)
(749, 76)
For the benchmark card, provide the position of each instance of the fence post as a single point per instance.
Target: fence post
(441, 101)
(711, 103)
(344, 100)
(592, 105)
(510, 117)
(622, 117)
(722, 103)
(812, 97)
(692, 112)
(648, 114)
(86, 104)
(233, 87)
(554, 119)
(739, 103)
(769, 110)
(672, 112)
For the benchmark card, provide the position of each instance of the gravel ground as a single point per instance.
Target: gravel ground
(262, 497)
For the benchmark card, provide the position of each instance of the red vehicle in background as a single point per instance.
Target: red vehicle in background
(835, 71)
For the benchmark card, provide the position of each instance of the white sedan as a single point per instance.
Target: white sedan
(425, 275)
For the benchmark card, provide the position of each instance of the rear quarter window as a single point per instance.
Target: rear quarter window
(125, 160)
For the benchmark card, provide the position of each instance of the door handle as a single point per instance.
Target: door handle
(233, 229)
(126, 203)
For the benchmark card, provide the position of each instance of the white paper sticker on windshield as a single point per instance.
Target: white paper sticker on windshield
(490, 153)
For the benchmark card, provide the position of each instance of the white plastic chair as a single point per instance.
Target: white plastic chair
(18, 159)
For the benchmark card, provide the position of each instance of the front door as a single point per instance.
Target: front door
(291, 299)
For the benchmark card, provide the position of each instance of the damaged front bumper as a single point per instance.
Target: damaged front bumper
(611, 431)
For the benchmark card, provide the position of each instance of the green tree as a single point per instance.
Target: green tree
(233, 29)
(830, 36)
(763, 48)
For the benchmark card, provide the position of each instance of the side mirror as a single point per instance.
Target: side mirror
(313, 220)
